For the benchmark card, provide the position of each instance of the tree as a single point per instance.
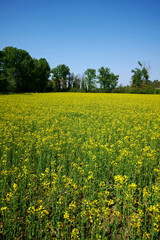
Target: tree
(76, 82)
(59, 77)
(56, 79)
(156, 84)
(90, 75)
(41, 74)
(108, 81)
(140, 76)
(73, 82)
(2, 82)
(83, 84)
(16, 70)
(70, 81)
(7, 69)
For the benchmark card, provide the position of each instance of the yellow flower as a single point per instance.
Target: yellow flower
(90, 175)
(66, 215)
(102, 184)
(72, 205)
(132, 186)
(9, 196)
(15, 186)
(31, 210)
(3, 210)
(75, 234)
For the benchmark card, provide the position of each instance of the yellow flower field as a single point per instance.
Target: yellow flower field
(80, 166)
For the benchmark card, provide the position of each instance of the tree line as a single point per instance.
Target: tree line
(19, 72)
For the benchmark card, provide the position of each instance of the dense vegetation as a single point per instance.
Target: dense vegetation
(19, 72)
(80, 166)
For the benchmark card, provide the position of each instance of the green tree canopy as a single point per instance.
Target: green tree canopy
(90, 75)
(140, 76)
(16, 70)
(59, 77)
(108, 81)
(41, 74)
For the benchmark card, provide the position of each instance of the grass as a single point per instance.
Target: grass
(80, 166)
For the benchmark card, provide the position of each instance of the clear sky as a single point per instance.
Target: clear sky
(85, 33)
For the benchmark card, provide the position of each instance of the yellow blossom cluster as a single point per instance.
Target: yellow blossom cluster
(79, 166)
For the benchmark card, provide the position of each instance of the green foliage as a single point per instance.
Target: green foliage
(156, 84)
(147, 89)
(108, 81)
(59, 77)
(140, 82)
(70, 81)
(90, 78)
(83, 84)
(20, 73)
(41, 74)
(140, 76)
(73, 82)
(76, 82)
(18, 70)
(122, 89)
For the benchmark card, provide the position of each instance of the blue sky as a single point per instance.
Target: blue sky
(85, 33)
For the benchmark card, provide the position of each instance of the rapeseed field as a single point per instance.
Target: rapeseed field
(80, 166)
